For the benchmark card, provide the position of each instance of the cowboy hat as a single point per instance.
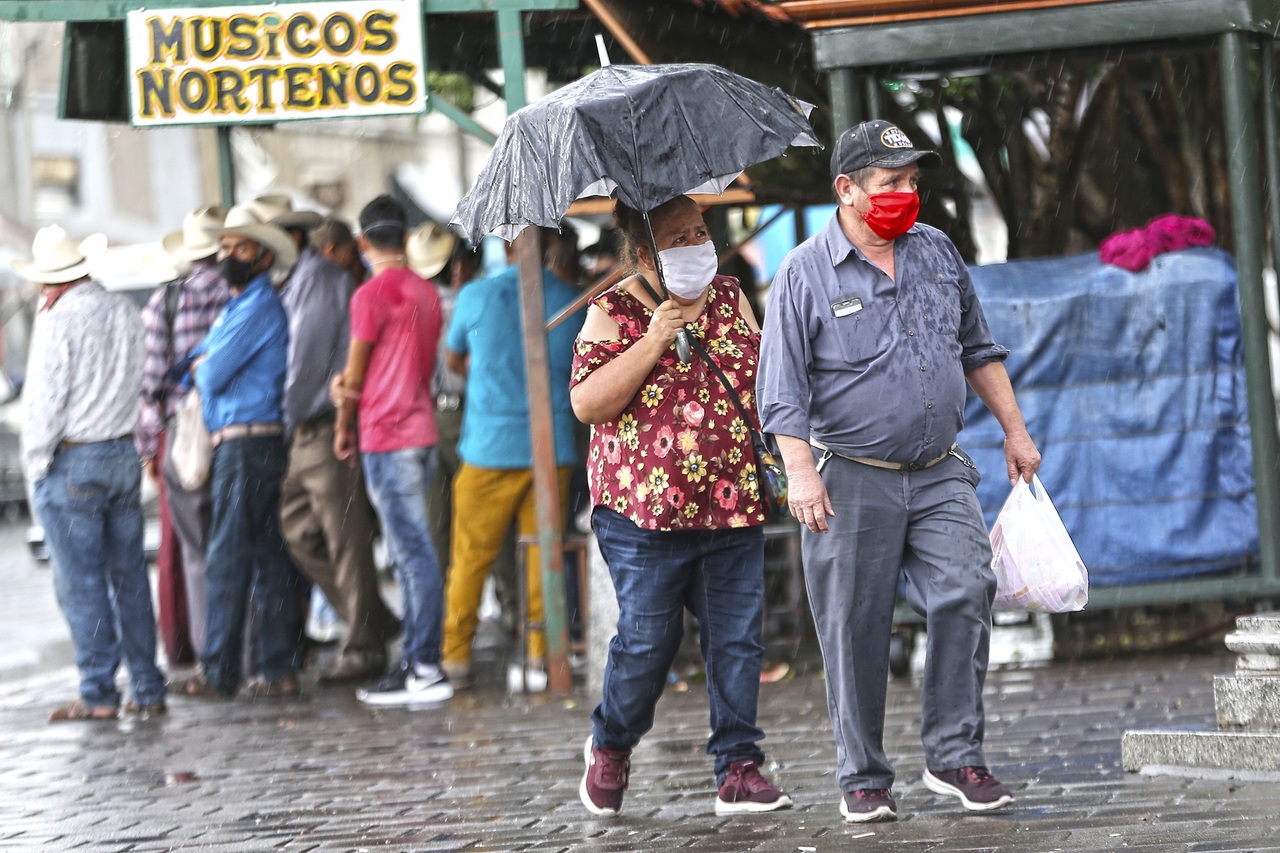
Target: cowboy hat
(58, 259)
(278, 210)
(198, 238)
(428, 249)
(246, 220)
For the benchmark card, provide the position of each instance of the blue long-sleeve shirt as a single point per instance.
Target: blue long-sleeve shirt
(241, 379)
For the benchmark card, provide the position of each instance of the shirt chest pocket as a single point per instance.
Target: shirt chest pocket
(856, 335)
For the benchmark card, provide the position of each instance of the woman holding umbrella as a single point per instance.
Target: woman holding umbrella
(677, 511)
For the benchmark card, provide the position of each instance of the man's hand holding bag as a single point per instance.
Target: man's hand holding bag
(1036, 564)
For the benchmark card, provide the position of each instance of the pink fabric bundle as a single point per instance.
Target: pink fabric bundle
(1133, 250)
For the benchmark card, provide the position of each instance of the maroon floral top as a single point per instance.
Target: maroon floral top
(679, 456)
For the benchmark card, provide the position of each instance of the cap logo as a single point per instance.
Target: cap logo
(894, 138)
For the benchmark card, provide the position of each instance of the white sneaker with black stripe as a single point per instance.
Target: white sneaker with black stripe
(423, 684)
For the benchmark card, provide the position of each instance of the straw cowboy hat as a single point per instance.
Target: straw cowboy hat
(198, 238)
(279, 211)
(428, 249)
(58, 259)
(247, 221)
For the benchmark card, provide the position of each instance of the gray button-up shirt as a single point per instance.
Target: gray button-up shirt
(315, 298)
(866, 365)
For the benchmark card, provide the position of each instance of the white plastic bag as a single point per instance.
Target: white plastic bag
(191, 447)
(1037, 567)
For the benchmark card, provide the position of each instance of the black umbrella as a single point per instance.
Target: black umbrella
(645, 132)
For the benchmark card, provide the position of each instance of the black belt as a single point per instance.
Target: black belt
(328, 419)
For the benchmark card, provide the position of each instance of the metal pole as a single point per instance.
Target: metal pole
(1271, 147)
(1246, 218)
(538, 381)
(874, 96)
(226, 168)
(846, 108)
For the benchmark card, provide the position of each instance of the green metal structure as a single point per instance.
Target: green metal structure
(1236, 28)
(509, 17)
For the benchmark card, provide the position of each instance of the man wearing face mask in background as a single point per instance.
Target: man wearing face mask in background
(239, 370)
(873, 330)
(494, 484)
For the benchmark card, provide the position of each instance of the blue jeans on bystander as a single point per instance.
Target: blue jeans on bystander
(91, 509)
(397, 481)
(247, 553)
(719, 576)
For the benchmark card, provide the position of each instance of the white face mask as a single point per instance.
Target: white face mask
(688, 270)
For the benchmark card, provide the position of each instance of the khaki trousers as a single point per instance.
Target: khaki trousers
(327, 523)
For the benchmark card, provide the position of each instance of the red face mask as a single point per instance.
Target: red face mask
(892, 214)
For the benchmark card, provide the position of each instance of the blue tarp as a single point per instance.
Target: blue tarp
(1133, 387)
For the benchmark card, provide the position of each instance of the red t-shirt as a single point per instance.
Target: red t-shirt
(398, 314)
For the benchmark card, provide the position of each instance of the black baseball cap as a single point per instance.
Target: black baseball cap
(877, 143)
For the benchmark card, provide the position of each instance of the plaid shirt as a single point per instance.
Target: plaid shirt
(203, 293)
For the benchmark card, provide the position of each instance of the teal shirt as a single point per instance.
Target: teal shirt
(486, 326)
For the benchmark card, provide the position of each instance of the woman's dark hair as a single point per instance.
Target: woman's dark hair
(383, 223)
(630, 224)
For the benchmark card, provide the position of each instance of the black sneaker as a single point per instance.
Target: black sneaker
(419, 684)
(392, 680)
(868, 805)
(977, 789)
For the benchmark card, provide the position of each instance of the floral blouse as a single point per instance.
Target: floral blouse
(679, 457)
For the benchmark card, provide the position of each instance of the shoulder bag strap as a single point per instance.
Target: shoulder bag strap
(701, 351)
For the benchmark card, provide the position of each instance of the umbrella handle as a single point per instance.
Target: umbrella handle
(684, 350)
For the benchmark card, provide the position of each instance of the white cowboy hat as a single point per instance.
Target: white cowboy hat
(198, 238)
(58, 259)
(278, 210)
(246, 220)
(428, 249)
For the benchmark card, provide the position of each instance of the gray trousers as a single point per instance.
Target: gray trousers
(928, 527)
(192, 513)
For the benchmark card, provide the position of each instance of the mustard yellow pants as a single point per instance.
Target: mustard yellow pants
(485, 502)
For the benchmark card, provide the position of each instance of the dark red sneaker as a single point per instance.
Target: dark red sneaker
(868, 805)
(745, 791)
(605, 779)
(977, 789)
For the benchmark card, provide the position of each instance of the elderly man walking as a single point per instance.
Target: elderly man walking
(873, 329)
(239, 370)
(177, 318)
(83, 376)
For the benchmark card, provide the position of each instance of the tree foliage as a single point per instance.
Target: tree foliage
(1074, 149)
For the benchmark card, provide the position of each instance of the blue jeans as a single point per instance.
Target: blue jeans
(247, 554)
(90, 505)
(398, 481)
(718, 575)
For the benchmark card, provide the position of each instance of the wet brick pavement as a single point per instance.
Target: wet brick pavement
(491, 772)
